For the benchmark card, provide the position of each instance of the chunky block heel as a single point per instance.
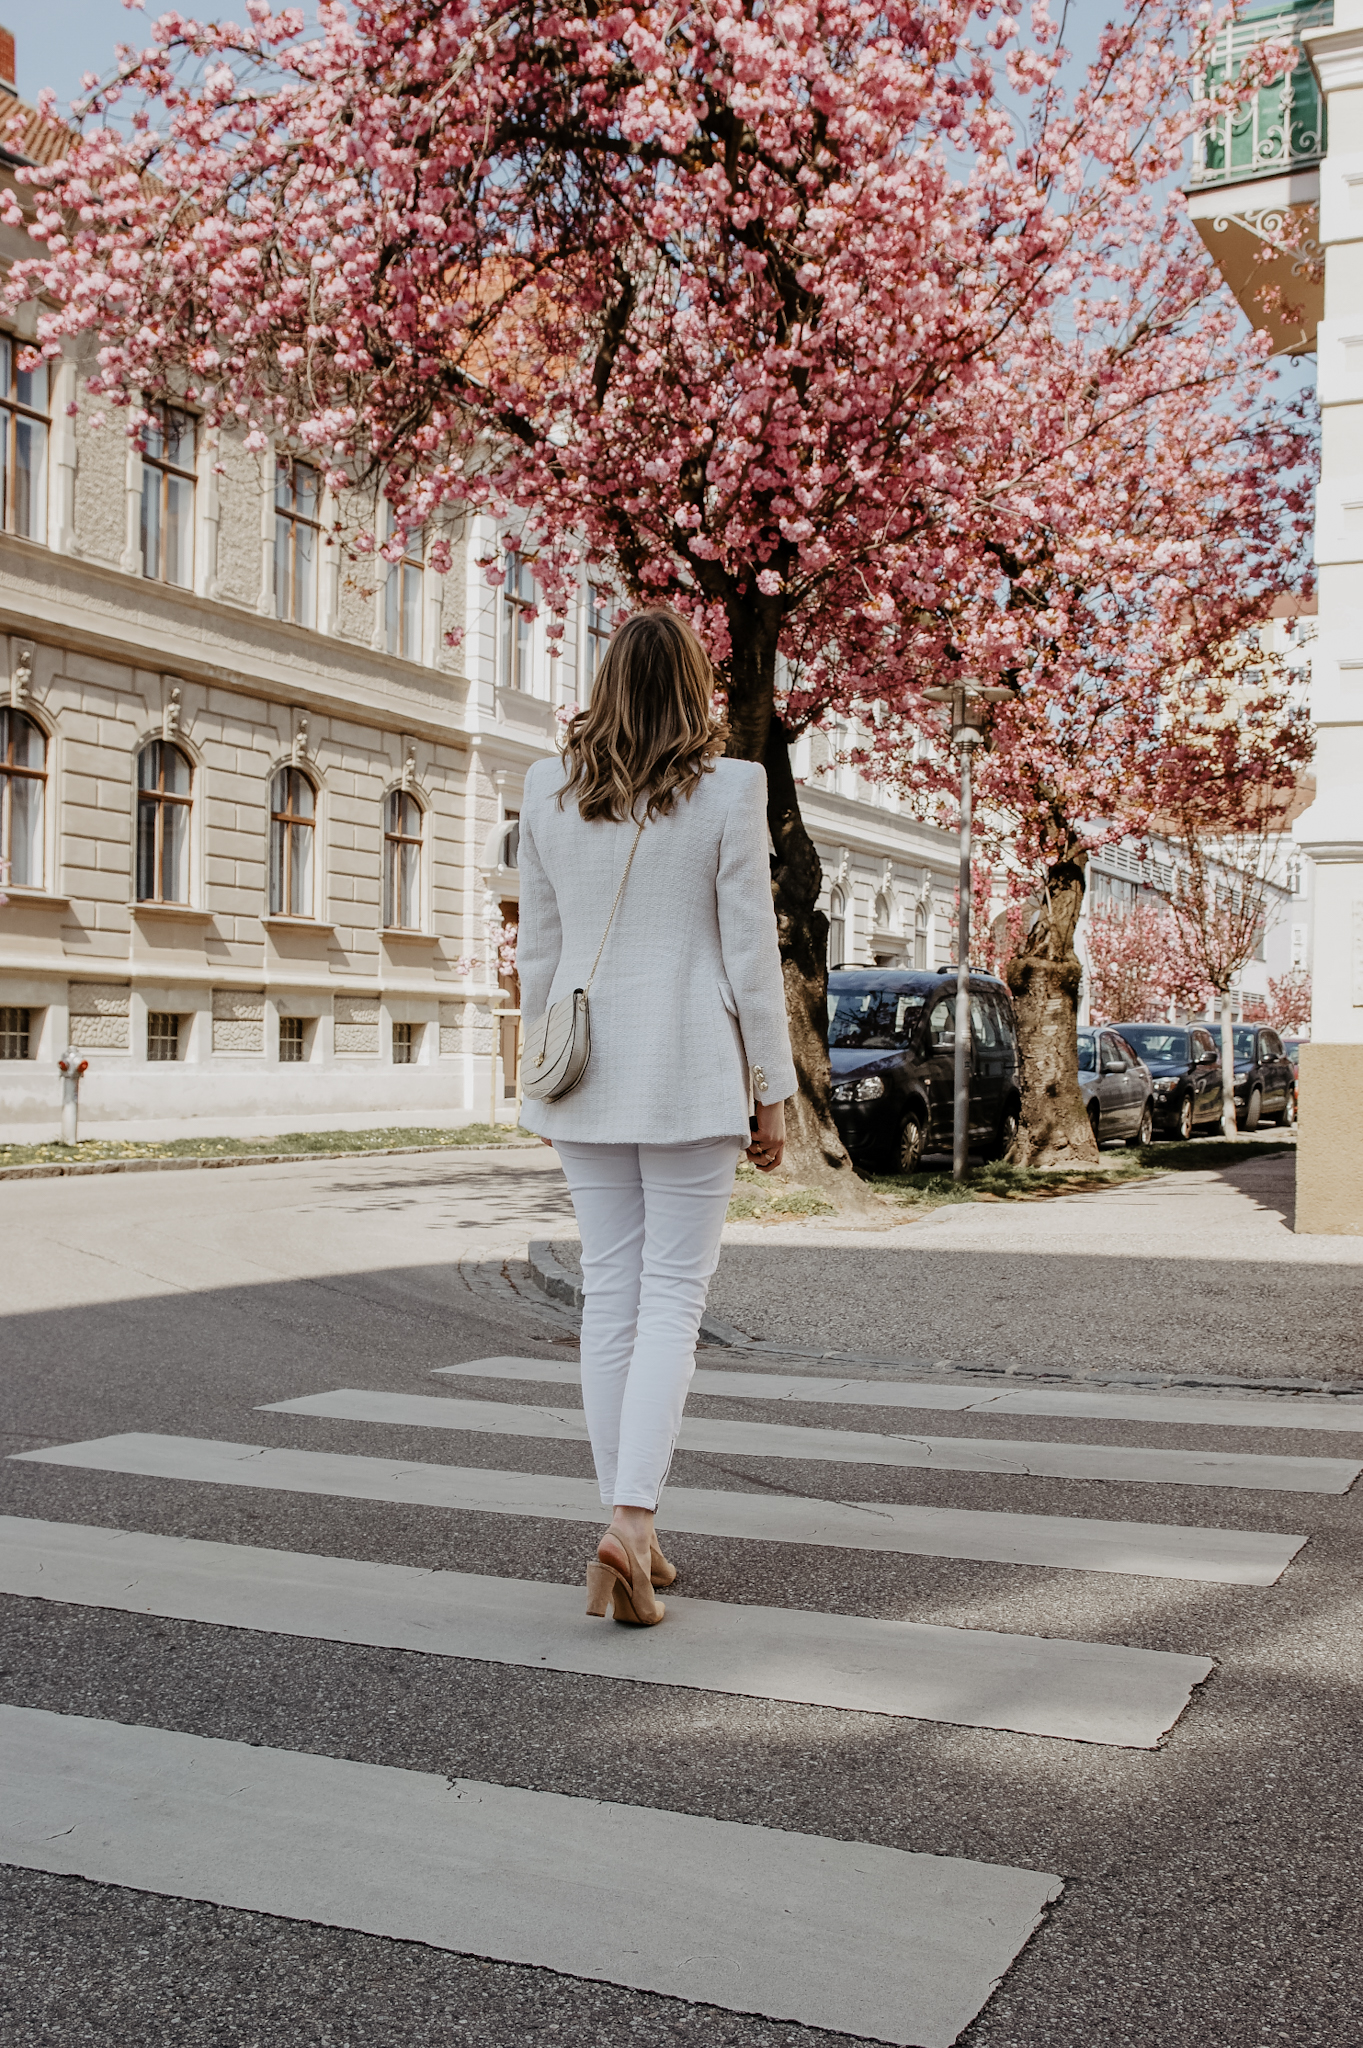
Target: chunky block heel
(600, 1581)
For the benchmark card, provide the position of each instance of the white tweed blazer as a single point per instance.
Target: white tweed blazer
(688, 1011)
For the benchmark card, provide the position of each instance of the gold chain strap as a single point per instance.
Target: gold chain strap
(614, 907)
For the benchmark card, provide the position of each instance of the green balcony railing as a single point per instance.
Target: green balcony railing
(1283, 127)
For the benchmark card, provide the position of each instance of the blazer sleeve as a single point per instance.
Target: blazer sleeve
(748, 941)
(539, 937)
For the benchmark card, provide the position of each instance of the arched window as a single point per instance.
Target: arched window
(920, 936)
(402, 862)
(23, 786)
(293, 818)
(164, 783)
(837, 927)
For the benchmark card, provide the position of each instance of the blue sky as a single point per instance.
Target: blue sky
(57, 40)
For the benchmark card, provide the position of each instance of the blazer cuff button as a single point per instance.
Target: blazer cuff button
(759, 1079)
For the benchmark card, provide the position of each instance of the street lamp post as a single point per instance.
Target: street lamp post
(967, 732)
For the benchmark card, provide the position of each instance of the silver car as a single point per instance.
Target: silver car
(1118, 1092)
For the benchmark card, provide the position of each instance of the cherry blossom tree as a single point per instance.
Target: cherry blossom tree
(1138, 965)
(1235, 748)
(1289, 1001)
(845, 327)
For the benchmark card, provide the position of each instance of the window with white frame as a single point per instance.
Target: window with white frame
(402, 595)
(598, 633)
(293, 823)
(920, 936)
(23, 794)
(165, 783)
(402, 862)
(837, 927)
(297, 540)
(23, 443)
(518, 600)
(168, 496)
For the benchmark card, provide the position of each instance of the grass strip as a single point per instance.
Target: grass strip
(94, 1151)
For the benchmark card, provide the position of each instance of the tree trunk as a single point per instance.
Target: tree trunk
(815, 1155)
(1227, 1067)
(1044, 976)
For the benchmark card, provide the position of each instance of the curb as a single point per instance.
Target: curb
(556, 1279)
(56, 1170)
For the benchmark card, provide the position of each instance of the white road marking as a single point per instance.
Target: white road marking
(1239, 1557)
(1289, 1411)
(892, 1946)
(975, 1678)
(725, 1438)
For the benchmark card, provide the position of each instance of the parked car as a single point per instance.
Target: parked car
(1292, 1047)
(892, 1048)
(1118, 1088)
(1185, 1068)
(1265, 1084)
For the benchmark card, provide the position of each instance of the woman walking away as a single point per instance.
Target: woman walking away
(646, 894)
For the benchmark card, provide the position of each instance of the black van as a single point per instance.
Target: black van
(892, 1048)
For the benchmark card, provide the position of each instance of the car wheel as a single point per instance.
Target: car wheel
(1002, 1142)
(1185, 1117)
(1288, 1114)
(1250, 1120)
(1096, 1124)
(1145, 1129)
(912, 1139)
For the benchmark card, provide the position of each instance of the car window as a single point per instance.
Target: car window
(1113, 1056)
(982, 1026)
(942, 1022)
(872, 1020)
(1273, 1048)
(1088, 1053)
(1131, 1054)
(1155, 1043)
(1203, 1042)
(1003, 1014)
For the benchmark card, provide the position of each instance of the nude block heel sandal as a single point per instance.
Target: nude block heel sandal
(660, 1570)
(631, 1599)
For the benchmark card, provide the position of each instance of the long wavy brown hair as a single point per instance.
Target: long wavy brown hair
(650, 728)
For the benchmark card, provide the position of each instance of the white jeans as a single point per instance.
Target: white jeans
(649, 1217)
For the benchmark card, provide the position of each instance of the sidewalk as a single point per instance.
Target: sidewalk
(1199, 1272)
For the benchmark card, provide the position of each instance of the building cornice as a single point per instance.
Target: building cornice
(1336, 56)
(70, 602)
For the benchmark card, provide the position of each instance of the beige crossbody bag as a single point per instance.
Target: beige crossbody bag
(558, 1045)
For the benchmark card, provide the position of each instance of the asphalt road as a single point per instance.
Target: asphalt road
(1211, 1888)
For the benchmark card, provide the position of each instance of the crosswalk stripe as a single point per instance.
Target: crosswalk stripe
(1084, 1692)
(1291, 1411)
(893, 1946)
(1243, 1557)
(725, 1438)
